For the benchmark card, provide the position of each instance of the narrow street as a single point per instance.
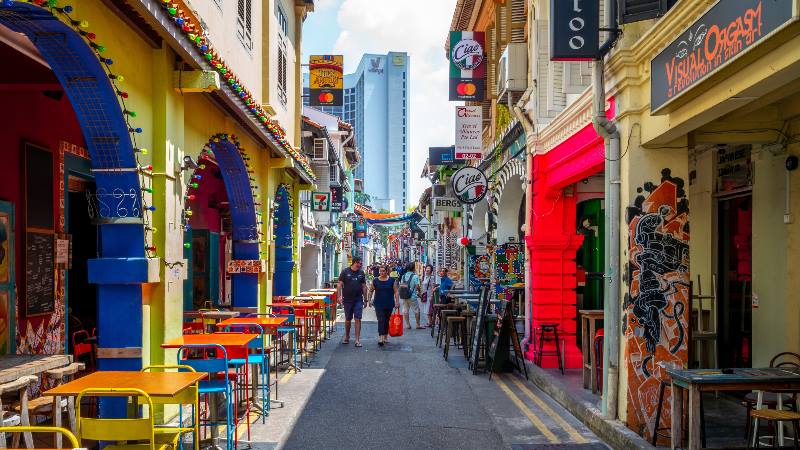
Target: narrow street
(406, 395)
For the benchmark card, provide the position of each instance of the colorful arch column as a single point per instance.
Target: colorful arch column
(284, 242)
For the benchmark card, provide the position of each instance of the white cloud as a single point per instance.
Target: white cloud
(320, 5)
(420, 28)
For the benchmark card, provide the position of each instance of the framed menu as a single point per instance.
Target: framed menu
(40, 283)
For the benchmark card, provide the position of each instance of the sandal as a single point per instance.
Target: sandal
(345, 342)
(358, 344)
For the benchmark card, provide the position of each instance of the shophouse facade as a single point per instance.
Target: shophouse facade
(178, 145)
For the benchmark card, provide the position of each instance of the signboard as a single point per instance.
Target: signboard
(64, 251)
(40, 282)
(725, 32)
(469, 121)
(446, 204)
(469, 185)
(321, 201)
(347, 241)
(467, 66)
(574, 30)
(247, 266)
(734, 167)
(440, 156)
(326, 80)
(337, 199)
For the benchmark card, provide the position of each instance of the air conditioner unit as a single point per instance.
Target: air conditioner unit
(320, 150)
(439, 190)
(512, 77)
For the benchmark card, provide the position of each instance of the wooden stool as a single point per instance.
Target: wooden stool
(470, 317)
(455, 324)
(443, 315)
(19, 387)
(57, 405)
(774, 415)
(544, 329)
(660, 431)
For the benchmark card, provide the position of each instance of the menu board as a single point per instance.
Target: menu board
(40, 280)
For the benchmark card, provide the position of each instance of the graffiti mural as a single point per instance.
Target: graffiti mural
(657, 302)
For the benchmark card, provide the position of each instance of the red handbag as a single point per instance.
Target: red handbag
(396, 325)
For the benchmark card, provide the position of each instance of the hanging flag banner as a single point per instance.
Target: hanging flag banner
(467, 66)
(469, 185)
(326, 80)
(321, 201)
(468, 132)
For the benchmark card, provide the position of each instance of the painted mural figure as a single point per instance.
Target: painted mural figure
(661, 254)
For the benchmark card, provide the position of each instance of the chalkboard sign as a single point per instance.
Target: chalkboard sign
(480, 320)
(506, 329)
(40, 280)
(38, 187)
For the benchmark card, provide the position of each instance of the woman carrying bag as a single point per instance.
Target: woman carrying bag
(426, 299)
(385, 298)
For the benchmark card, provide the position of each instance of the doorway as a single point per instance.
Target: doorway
(734, 260)
(81, 295)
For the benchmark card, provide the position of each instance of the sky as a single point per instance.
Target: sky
(419, 27)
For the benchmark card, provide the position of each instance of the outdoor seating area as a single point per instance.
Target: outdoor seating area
(224, 378)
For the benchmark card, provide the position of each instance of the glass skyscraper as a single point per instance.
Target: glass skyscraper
(376, 104)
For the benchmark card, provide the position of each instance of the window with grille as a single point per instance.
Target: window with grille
(244, 23)
(334, 174)
(320, 150)
(283, 22)
(282, 96)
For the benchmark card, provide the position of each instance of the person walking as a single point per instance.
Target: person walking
(445, 284)
(352, 291)
(409, 290)
(426, 298)
(384, 297)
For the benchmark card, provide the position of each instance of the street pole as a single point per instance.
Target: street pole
(611, 306)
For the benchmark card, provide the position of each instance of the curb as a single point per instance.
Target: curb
(613, 432)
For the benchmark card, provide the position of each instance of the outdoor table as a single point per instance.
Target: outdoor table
(589, 320)
(216, 315)
(324, 301)
(12, 367)
(160, 385)
(302, 311)
(697, 381)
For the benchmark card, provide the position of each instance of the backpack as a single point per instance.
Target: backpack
(405, 292)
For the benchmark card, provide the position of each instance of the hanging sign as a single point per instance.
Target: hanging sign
(337, 199)
(468, 132)
(469, 185)
(467, 66)
(247, 266)
(441, 156)
(326, 80)
(574, 30)
(446, 204)
(321, 201)
(725, 32)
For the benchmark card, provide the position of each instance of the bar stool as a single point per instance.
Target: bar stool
(773, 415)
(456, 325)
(544, 329)
(443, 315)
(661, 431)
(470, 318)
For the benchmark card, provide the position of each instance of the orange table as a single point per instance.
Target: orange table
(320, 297)
(161, 385)
(267, 323)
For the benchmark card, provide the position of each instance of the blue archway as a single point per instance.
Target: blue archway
(284, 242)
(122, 265)
(239, 187)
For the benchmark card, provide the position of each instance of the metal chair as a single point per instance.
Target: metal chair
(60, 432)
(187, 396)
(218, 381)
(260, 358)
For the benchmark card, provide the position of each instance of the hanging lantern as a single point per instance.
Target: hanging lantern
(464, 241)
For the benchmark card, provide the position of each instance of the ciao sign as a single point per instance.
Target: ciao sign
(575, 30)
(467, 54)
(469, 185)
(726, 31)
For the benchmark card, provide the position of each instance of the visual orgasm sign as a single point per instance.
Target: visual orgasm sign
(725, 32)
(467, 66)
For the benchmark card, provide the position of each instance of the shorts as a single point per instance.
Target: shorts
(410, 304)
(353, 309)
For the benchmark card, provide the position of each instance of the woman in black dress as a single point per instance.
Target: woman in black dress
(385, 298)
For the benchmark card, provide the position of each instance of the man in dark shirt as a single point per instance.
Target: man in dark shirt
(352, 289)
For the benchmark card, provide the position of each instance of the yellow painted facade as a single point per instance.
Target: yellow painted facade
(752, 100)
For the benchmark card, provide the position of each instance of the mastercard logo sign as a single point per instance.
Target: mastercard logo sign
(466, 88)
(326, 97)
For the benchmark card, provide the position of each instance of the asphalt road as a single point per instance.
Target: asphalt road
(406, 396)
